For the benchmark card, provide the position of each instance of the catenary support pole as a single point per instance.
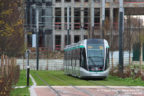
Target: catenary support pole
(37, 38)
(121, 20)
(103, 18)
(92, 19)
(68, 23)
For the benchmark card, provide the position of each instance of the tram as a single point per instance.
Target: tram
(88, 58)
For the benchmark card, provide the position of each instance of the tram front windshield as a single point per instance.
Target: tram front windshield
(95, 57)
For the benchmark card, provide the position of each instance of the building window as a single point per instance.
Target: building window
(86, 18)
(29, 38)
(43, 1)
(86, 0)
(43, 18)
(76, 38)
(41, 39)
(57, 18)
(32, 1)
(115, 15)
(77, 0)
(58, 0)
(77, 18)
(33, 17)
(65, 18)
(107, 18)
(85, 37)
(97, 18)
(98, 1)
(67, 0)
(57, 42)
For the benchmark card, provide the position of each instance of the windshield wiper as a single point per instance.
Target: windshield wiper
(90, 58)
(95, 60)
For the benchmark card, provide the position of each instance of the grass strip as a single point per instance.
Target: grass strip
(23, 80)
(20, 92)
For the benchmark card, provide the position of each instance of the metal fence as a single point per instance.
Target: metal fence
(57, 64)
(44, 64)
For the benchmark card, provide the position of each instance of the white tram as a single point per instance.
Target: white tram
(87, 59)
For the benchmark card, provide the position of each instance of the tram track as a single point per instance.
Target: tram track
(79, 89)
(49, 86)
(94, 82)
(58, 93)
(118, 92)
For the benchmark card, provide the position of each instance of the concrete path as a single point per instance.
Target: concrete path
(31, 89)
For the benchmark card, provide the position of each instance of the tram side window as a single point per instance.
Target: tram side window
(66, 58)
(83, 58)
(65, 63)
(78, 57)
(74, 51)
(69, 58)
(73, 58)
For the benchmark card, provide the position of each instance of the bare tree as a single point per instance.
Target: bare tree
(141, 40)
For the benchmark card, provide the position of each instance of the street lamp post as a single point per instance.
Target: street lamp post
(28, 67)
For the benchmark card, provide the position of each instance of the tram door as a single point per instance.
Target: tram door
(70, 63)
(77, 62)
(65, 62)
(74, 63)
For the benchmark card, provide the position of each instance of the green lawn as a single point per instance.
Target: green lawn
(23, 80)
(20, 92)
(54, 78)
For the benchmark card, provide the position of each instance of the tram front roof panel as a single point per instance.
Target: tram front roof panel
(95, 41)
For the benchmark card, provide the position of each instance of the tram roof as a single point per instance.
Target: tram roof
(79, 44)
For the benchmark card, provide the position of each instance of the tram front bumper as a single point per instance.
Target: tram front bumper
(88, 74)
